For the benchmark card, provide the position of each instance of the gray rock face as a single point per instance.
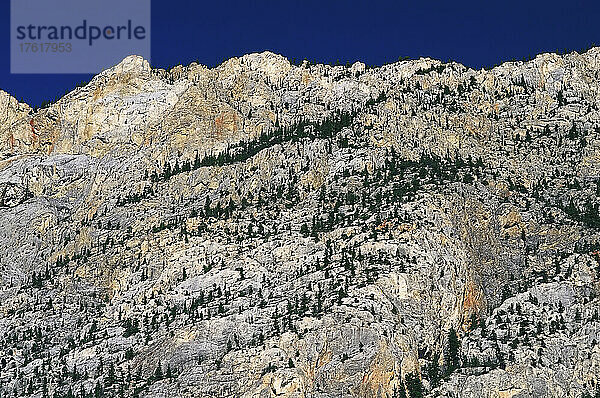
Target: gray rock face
(262, 229)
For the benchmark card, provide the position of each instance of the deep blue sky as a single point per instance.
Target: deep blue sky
(476, 33)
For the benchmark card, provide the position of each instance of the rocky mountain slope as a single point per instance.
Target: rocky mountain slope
(263, 229)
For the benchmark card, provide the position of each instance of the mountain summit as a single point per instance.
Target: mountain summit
(264, 229)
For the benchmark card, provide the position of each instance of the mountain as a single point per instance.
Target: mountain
(264, 229)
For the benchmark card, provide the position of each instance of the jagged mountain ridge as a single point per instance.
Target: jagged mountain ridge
(264, 229)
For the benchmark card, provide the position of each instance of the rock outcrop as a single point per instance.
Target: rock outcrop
(264, 229)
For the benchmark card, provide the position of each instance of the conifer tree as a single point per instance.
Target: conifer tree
(451, 356)
(414, 386)
(158, 374)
